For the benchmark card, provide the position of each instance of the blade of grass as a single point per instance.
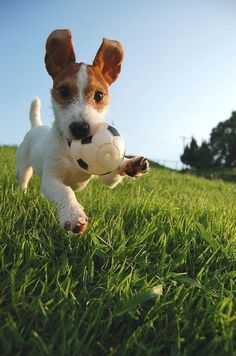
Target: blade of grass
(139, 299)
(207, 237)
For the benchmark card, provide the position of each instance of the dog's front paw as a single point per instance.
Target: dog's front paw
(78, 226)
(74, 220)
(136, 166)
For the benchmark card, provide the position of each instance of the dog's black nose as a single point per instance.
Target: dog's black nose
(79, 129)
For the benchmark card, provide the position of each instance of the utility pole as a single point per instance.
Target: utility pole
(184, 138)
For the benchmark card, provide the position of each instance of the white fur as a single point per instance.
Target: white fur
(83, 81)
(78, 110)
(35, 117)
(45, 150)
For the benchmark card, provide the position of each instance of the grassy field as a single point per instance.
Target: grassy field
(153, 275)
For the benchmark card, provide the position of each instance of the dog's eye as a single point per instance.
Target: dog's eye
(64, 91)
(98, 96)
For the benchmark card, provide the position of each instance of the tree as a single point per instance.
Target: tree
(198, 157)
(189, 157)
(204, 156)
(223, 142)
(219, 152)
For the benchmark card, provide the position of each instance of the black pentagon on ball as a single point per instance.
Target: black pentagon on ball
(87, 140)
(82, 164)
(114, 131)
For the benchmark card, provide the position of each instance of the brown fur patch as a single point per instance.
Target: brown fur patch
(69, 79)
(59, 52)
(96, 82)
(108, 59)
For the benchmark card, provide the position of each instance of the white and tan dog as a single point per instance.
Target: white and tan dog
(80, 99)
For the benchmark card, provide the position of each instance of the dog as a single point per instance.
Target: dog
(80, 97)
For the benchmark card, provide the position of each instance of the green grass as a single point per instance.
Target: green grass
(153, 275)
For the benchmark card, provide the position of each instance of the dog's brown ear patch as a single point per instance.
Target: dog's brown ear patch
(59, 52)
(108, 59)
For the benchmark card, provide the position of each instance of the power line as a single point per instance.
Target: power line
(140, 137)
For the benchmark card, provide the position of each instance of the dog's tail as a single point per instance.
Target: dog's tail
(35, 113)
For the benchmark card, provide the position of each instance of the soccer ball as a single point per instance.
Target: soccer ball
(101, 153)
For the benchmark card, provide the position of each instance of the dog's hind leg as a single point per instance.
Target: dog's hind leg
(23, 176)
(24, 170)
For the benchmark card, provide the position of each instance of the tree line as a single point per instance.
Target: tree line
(219, 152)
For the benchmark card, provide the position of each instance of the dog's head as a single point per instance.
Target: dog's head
(80, 92)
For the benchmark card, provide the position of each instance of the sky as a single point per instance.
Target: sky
(178, 76)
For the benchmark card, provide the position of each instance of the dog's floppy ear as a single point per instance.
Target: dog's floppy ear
(59, 52)
(108, 59)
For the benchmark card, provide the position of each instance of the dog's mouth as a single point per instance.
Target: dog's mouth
(83, 136)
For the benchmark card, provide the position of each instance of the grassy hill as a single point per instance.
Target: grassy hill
(226, 174)
(153, 275)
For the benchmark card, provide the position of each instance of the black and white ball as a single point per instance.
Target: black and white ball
(101, 153)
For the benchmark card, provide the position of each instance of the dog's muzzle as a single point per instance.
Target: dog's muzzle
(79, 129)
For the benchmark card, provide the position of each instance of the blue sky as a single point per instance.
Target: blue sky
(178, 77)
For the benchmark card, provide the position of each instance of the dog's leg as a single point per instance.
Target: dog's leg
(70, 213)
(23, 176)
(132, 167)
(24, 170)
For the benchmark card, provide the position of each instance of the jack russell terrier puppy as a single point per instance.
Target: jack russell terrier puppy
(80, 97)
